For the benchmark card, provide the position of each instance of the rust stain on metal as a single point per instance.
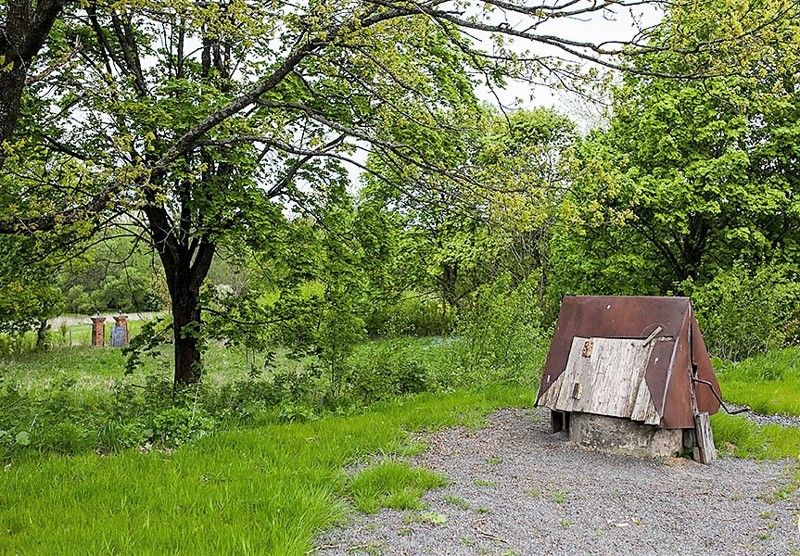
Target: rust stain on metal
(677, 348)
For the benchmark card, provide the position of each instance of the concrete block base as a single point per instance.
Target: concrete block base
(612, 434)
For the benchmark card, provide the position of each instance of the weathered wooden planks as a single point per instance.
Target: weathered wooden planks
(605, 376)
(707, 452)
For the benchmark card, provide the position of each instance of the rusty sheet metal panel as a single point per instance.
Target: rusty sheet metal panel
(657, 374)
(706, 401)
(678, 412)
(612, 317)
(668, 373)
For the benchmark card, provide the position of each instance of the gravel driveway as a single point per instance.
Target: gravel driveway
(517, 490)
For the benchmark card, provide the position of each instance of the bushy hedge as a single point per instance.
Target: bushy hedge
(743, 313)
(145, 414)
(63, 420)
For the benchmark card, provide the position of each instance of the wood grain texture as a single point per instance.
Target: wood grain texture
(610, 381)
(705, 439)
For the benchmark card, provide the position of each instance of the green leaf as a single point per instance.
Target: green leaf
(23, 438)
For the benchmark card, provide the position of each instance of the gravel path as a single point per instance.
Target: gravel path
(517, 490)
(761, 419)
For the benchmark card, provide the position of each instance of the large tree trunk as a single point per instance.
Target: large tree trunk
(11, 84)
(186, 261)
(185, 276)
(186, 324)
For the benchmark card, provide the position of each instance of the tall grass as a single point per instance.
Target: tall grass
(97, 369)
(261, 491)
(768, 383)
(742, 438)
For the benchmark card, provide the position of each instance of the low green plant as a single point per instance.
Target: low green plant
(789, 489)
(559, 497)
(535, 493)
(456, 501)
(392, 484)
(745, 439)
(431, 518)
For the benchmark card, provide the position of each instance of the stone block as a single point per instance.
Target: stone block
(616, 435)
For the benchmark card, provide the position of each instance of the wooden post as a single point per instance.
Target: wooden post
(705, 451)
(705, 439)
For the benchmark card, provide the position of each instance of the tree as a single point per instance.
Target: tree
(198, 124)
(467, 234)
(23, 32)
(29, 294)
(216, 191)
(693, 176)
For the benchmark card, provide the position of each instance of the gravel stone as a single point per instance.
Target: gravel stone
(515, 489)
(761, 419)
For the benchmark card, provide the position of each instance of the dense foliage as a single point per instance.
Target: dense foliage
(692, 188)
(275, 179)
(196, 127)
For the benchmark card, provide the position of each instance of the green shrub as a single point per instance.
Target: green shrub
(413, 315)
(117, 435)
(175, 425)
(386, 371)
(61, 419)
(57, 416)
(502, 333)
(743, 313)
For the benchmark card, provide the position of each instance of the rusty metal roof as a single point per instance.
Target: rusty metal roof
(668, 374)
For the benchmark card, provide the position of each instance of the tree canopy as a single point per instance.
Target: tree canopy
(205, 128)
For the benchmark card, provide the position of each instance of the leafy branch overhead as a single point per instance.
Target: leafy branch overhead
(323, 50)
